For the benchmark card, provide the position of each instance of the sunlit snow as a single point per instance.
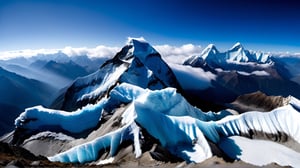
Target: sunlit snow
(37, 117)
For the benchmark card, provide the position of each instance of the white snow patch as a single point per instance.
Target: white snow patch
(106, 161)
(259, 152)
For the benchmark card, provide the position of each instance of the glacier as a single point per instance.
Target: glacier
(168, 102)
(188, 125)
(90, 151)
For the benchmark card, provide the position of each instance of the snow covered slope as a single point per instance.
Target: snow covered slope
(259, 152)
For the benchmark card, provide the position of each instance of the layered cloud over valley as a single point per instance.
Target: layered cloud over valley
(174, 54)
(98, 51)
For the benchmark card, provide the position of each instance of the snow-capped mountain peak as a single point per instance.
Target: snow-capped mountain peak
(210, 49)
(237, 46)
(237, 53)
(137, 63)
(141, 49)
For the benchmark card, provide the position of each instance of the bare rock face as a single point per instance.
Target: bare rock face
(258, 101)
(13, 156)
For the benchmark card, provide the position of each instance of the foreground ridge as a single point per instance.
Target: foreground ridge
(183, 124)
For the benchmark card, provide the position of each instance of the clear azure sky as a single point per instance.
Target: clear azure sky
(267, 25)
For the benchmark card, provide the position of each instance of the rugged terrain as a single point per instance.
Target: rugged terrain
(217, 109)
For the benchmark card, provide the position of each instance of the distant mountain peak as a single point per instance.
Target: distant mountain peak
(237, 46)
(210, 49)
(210, 56)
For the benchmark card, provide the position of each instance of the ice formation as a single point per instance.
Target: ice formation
(90, 151)
(38, 117)
(179, 127)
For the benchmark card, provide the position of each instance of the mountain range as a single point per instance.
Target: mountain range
(137, 107)
(37, 80)
(239, 71)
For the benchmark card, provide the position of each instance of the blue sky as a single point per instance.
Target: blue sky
(272, 25)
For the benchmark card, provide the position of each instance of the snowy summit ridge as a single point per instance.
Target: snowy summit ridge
(137, 63)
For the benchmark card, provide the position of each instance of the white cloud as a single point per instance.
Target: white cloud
(185, 74)
(99, 51)
(175, 54)
(75, 51)
(172, 54)
(5, 55)
(257, 73)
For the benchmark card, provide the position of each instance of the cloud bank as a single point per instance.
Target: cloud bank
(173, 54)
(6, 55)
(99, 51)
